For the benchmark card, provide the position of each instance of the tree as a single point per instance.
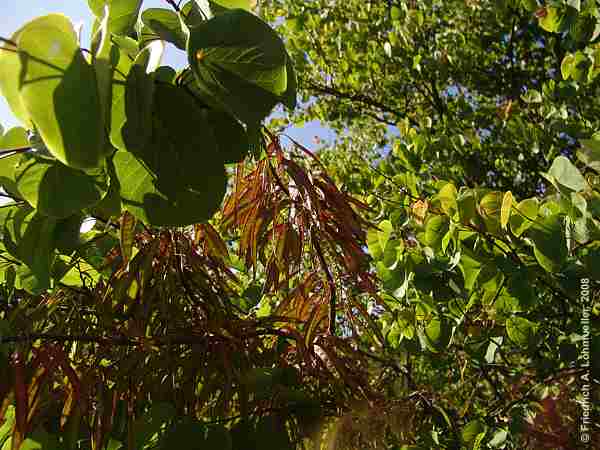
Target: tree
(234, 293)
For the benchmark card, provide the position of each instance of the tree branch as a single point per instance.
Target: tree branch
(357, 98)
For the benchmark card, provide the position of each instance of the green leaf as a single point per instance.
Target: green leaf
(566, 66)
(29, 237)
(165, 74)
(58, 89)
(232, 4)
(194, 12)
(525, 214)
(377, 238)
(102, 46)
(240, 64)
(470, 267)
(123, 13)
(14, 138)
(55, 189)
(564, 172)
(160, 23)
(289, 96)
(10, 68)
(139, 96)
(580, 66)
(438, 332)
(521, 331)
(490, 209)
(471, 430)
(447, 198)
(550, 244)
(498, 439)
(141, 195)
(67, 234)
(122, 63)
(507, 202)
(174, 180)
(550, 19)
(435, 229)
(231, 137)
(589, 154)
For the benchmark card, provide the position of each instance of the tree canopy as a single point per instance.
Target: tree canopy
(428, 280)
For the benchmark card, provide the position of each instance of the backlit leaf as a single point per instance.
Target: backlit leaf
(507, 202)
(58, 89)
(160, 23)
(123, 13)
(566, 174)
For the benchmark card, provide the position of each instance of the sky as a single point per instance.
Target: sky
(14, 13)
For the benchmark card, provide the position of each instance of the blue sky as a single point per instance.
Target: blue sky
(13, 14)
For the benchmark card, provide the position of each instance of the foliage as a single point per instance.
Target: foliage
(235, 293)
(472, 88)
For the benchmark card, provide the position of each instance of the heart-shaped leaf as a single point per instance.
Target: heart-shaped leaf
(58, 89)
(240, 64)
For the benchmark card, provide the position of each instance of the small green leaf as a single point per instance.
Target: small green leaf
(123, 13)
(14, 138)
(498, 439)
(521, 331)
(122, 63)
(525, 214)
(550, 244)
(55, 189)
(447, 197)
(29, 237)
(102, 45)
(507, 202)
(377, 239)
(435, 230)
(550, 19)
(490, 209)
(471, 430)
(566, 66)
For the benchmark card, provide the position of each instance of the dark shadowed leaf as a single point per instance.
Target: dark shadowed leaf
(55, 189)
(240, 64)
